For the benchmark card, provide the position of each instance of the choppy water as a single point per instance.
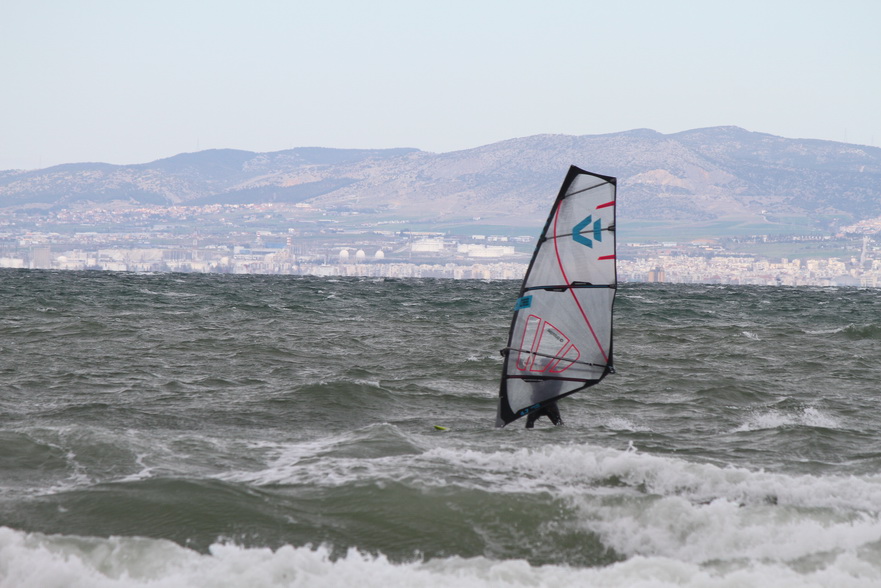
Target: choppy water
(205, 430)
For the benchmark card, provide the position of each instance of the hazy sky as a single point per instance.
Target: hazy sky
(131, 81)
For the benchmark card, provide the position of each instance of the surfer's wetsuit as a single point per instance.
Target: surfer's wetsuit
(549, 410)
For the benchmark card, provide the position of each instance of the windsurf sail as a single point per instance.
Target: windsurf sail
(560, 340)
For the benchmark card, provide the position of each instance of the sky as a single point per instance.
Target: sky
(132, 81)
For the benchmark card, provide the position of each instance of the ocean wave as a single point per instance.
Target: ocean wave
(850, 331)
(644, 505)
(33, 560)
(772, 419)
(563, 470)
(624, 424)
(857, 332)
(369, 454)
(577, 472)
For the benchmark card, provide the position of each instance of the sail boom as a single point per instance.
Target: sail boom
(550, 378)
(564, 287)
(506, 349)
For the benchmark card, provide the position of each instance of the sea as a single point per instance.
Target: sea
(195, 430)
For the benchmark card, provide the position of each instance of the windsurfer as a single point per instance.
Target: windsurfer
(549, 410)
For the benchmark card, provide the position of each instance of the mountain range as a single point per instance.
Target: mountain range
(693, 176)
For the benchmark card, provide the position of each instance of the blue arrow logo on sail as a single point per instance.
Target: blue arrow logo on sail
(597, 231)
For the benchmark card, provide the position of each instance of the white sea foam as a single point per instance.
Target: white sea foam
(317, 461)
(722, 530)
(638, 504)
(368, 383)
(570, 469)
(38, 561)
(139, 456)
(575, 469)
(701, 513)
(683, 520)
(623, 424)
(828, 331)
(773, 419)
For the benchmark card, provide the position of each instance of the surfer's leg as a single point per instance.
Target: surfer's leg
(532, 417)
(552, 411)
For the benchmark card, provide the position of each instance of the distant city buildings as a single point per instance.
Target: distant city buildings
(301, 240)
(749, 270)
(503, 265)
(656, 274)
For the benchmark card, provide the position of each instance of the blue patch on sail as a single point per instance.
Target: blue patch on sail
(585, 224)
(528, 409)
(523, 302)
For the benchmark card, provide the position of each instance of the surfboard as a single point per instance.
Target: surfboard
(560, 338)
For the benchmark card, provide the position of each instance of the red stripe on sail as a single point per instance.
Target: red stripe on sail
(572, 290)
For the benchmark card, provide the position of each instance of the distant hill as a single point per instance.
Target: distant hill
(696, 175)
